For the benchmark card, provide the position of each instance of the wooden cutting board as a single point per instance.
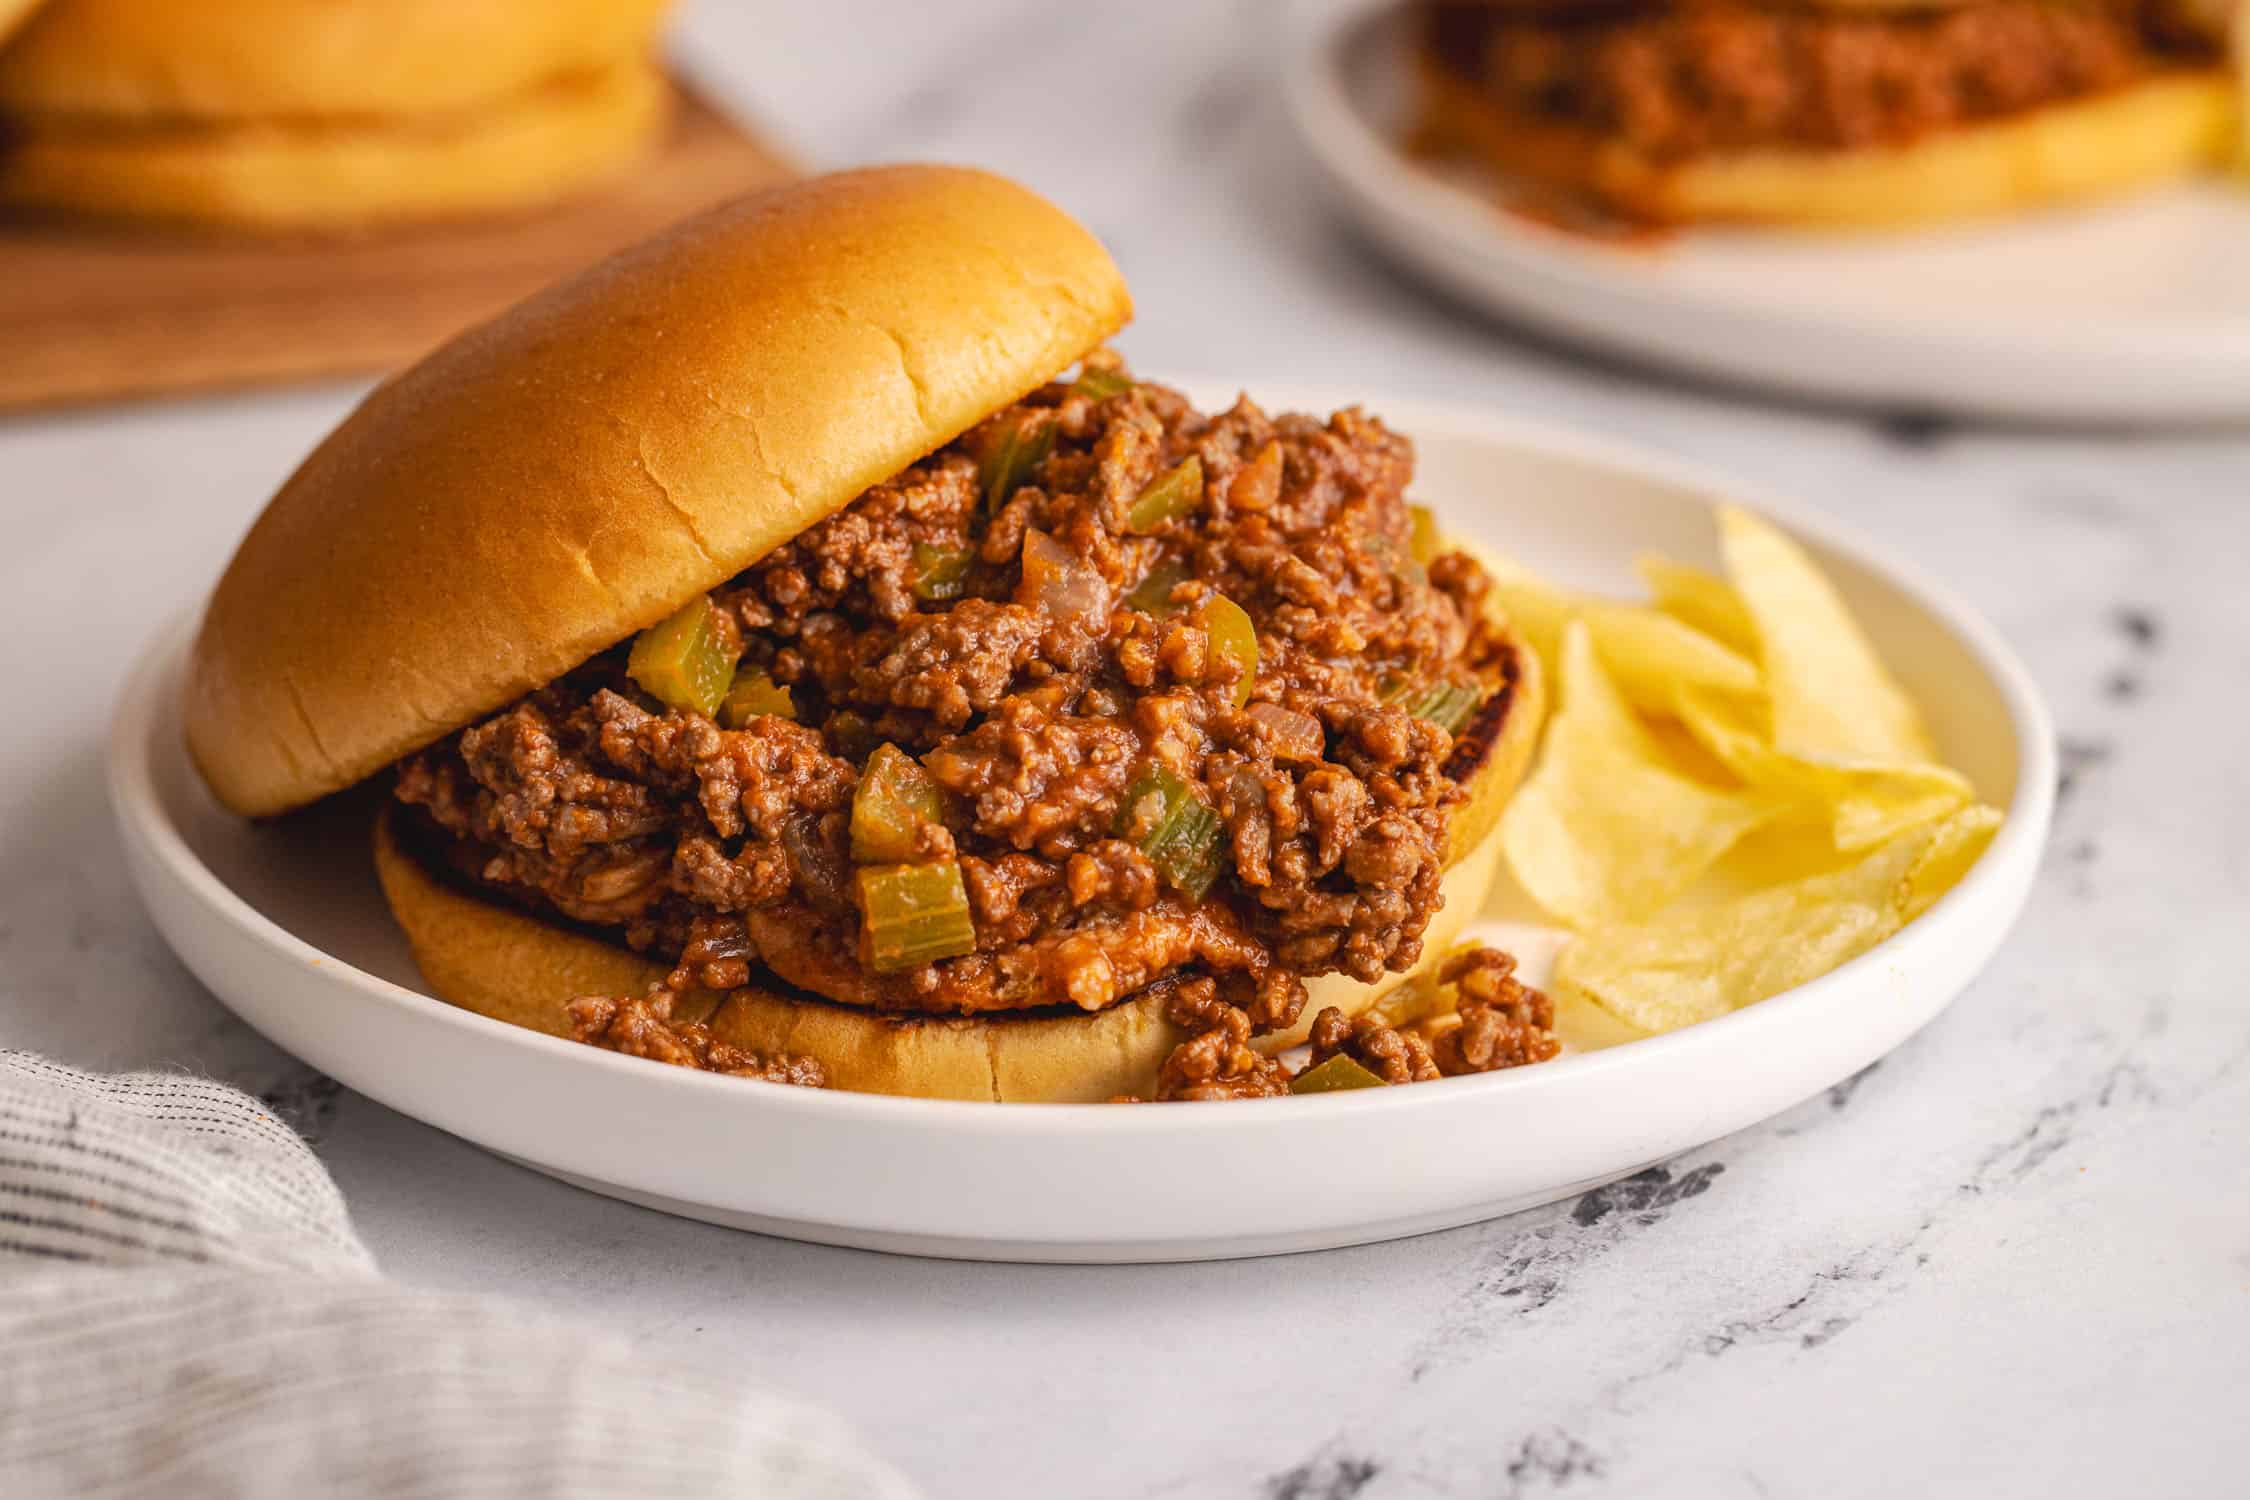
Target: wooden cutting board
(95, 313)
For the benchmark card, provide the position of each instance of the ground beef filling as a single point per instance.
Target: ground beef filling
(1678, 81)
(1034, 697)
(1487, 1020)
(642, 1026)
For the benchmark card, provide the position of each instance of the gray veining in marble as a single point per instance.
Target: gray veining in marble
(2012, 1259)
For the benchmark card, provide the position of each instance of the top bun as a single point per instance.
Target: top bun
(12, 14)
(228, 59)
(545, 485)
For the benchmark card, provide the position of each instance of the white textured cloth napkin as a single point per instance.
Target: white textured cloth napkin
(184, 1311)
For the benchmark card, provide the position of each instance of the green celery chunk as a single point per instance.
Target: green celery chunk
(913, 914)
(1233, 638)
(755, 693)
(1167, 820)
(1167, 497)
(1445, 704)
(1339, 1072)
(684, 661)
(851, 736)
(940, 573)
(1153, 595)
(1099, 383)
(895, 801)
(1017, 448)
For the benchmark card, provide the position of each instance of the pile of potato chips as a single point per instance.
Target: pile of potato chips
(1733, 796)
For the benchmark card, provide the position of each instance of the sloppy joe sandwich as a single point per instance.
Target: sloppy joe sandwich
(797, 647)
(1843, 113)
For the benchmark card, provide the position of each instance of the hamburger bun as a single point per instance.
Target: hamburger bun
(2148, 132)
(310, 175)
(511, 966)
(13, 13)
(165, 60)
(540, 488)
(1565, 8)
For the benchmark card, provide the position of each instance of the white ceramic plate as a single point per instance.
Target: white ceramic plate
(2136, 310)
(285, 924)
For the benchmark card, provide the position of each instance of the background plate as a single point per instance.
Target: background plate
(284, 923)
(2135, 310)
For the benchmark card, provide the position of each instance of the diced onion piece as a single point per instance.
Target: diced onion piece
(1168, 821)
(1233, 639)
(1257, 484)
(1339, 1072)
(895, 801)
(1153, 594)
(755, 693)
(1016, 448)
(1296, 736)
(913, 914)
(940, 573)
(685, 661)
(1059, 580)
(1170, 495)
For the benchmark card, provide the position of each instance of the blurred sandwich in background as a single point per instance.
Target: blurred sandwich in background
(1849, 114)
(323, 115)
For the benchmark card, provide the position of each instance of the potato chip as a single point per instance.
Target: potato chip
(1537, 611)
(1696, 963)
(1703, 601)
(1651, 655)
(1608, 828)
(1955, 845)
(1865, 801)
(1648, 653)
(1832, 697)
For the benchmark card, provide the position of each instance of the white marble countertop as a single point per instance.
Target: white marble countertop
(2013, 1259)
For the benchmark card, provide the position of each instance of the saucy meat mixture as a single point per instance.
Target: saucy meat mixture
(1107, 694)
(1677, 81)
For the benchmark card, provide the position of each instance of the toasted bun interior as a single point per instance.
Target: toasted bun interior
(511, 966)
(243, 59)
(316, 176)
(547, 484)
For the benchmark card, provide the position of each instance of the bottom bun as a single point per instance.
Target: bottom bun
(340, 175)
(2148, 132)
(512, 966)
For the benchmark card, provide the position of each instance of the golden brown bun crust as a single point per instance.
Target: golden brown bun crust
(236, 59)
(547, 484)
(2148, 132)
(13, 14)
(1592, 7)
(326, 176)
(511, 966)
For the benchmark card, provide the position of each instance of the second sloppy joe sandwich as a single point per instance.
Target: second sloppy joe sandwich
(798, 648)
(1841, 114)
